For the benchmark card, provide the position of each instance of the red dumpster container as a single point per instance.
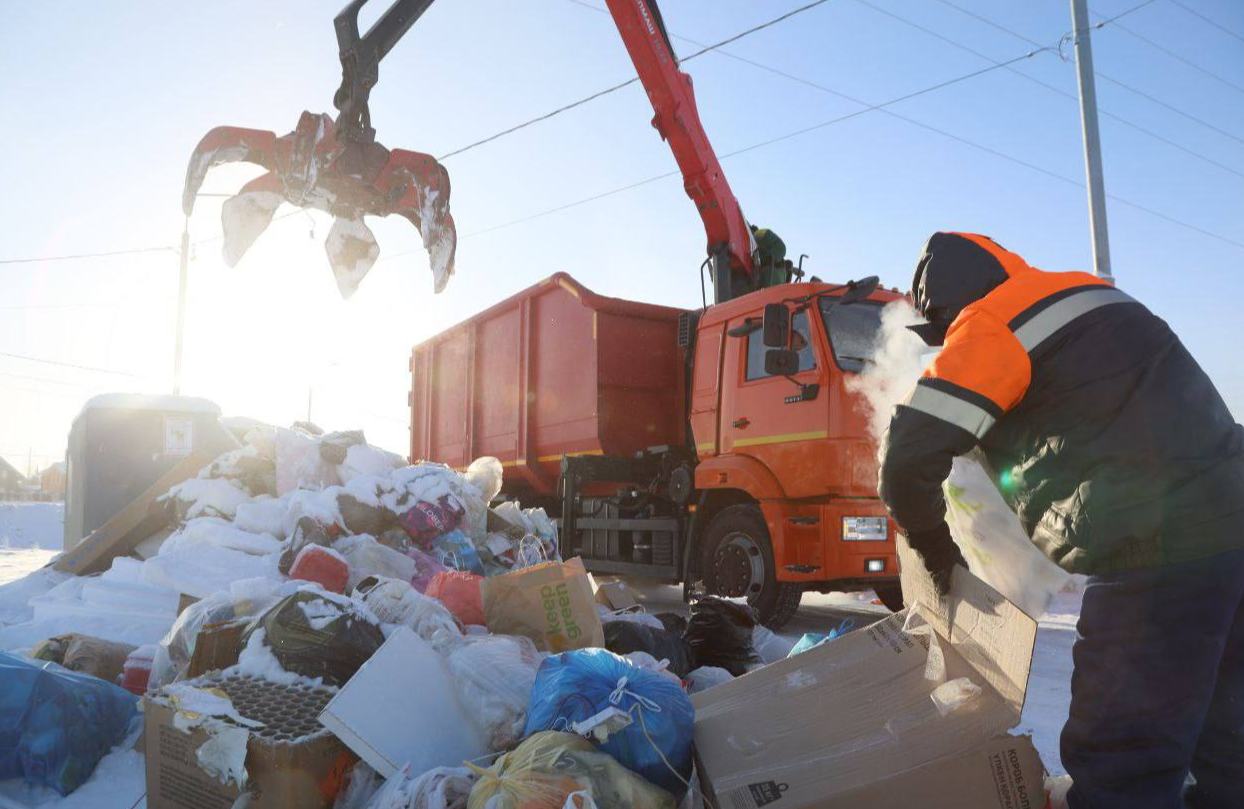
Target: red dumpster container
(554, 370)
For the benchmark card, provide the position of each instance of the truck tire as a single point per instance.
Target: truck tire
(891, 595)
(736, 560)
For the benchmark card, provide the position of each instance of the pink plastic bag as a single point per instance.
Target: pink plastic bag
(426, 567)
(460, 594)
(427, 521)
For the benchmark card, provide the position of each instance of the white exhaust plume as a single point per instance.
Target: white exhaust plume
(991, 537)
(898, 360)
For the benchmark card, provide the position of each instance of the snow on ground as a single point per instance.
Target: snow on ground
(30, 535)
(32, 525)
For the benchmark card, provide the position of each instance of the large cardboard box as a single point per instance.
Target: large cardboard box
(291, 763)
(217, 646)
(854, 722)
(130, 526)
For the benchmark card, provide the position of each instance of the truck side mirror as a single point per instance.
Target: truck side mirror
(776, 325)
(781, 362)
(859, 290)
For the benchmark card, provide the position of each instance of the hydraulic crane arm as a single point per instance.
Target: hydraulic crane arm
(678, 121)
(731, 248)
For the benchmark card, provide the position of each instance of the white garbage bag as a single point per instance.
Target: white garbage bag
(395, 602)
(494, 675)
(993, 542)
(367, 557)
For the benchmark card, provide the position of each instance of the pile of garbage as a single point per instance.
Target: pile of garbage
(319, 563)
(323, 625)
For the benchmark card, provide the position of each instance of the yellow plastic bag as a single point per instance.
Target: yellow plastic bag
(547, 769)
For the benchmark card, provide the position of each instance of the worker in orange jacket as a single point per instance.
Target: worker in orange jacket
(1122, 462)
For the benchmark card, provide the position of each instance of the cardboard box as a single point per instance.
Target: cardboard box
(402, 707)
(615, 594)
(853, 723)
(129, 526)
(216, 647)
(291, 763)
(184, 600)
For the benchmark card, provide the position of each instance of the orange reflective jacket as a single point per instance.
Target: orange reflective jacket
(1082, 397)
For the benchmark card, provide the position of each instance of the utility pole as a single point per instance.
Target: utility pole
(1092, 139)
(181, 306)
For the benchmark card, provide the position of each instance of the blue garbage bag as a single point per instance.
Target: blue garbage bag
(456, 551)
(56, 724)
(811, 640)
(574, 686)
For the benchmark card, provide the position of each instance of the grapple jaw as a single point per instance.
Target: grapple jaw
(312, 168)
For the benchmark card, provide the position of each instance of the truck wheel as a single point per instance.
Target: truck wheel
(736, 561)
(891, 595)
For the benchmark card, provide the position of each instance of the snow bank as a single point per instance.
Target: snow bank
(32, 525)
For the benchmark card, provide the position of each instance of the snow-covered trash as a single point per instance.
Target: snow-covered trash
(231, 734)
(396, 602)
(319, 634)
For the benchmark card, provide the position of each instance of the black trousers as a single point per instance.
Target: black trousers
(1158, 689)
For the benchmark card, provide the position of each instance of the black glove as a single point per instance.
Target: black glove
(939, 553)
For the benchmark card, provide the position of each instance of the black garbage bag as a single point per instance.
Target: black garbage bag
(673, 622)
(720, 634)
(624, 637)
(318, 634)
(306, 532)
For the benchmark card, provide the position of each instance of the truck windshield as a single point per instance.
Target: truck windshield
(852, 330)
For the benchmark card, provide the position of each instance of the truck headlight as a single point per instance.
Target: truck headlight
(865, 529)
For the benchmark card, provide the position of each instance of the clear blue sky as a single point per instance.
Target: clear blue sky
(106, 101)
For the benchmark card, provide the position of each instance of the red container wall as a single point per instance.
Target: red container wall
(553, 370)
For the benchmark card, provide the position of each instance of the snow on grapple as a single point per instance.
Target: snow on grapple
(337, 166)
(312, 167)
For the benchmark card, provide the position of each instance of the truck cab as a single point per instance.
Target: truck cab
(793, 449)
(674, 444)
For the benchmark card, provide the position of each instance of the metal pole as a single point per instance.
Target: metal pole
(181, 306)
(1092, 139)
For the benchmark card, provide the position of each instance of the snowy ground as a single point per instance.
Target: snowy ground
(30, 535)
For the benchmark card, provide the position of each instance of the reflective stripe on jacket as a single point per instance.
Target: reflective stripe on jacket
(1116, 448)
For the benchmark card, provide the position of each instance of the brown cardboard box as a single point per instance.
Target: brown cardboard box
(291, 763)
(852, 723)
(217, 646)
(615, 594)
(129, 526)
(183, 601)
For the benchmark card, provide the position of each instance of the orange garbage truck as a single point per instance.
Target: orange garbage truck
(721, 448)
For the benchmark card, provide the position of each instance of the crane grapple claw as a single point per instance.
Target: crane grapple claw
(311, 167)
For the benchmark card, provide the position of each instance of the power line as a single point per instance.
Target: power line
(1172, 54)
(880, 107)
(1131, 10)
(45, 379)
(61, 394)
(1214, 23)
(759, 144)
(998, 26)
(553, 113)
(131, 252)
(1052, 88)
(72, 365)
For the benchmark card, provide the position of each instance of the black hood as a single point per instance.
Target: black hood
(953, 272)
